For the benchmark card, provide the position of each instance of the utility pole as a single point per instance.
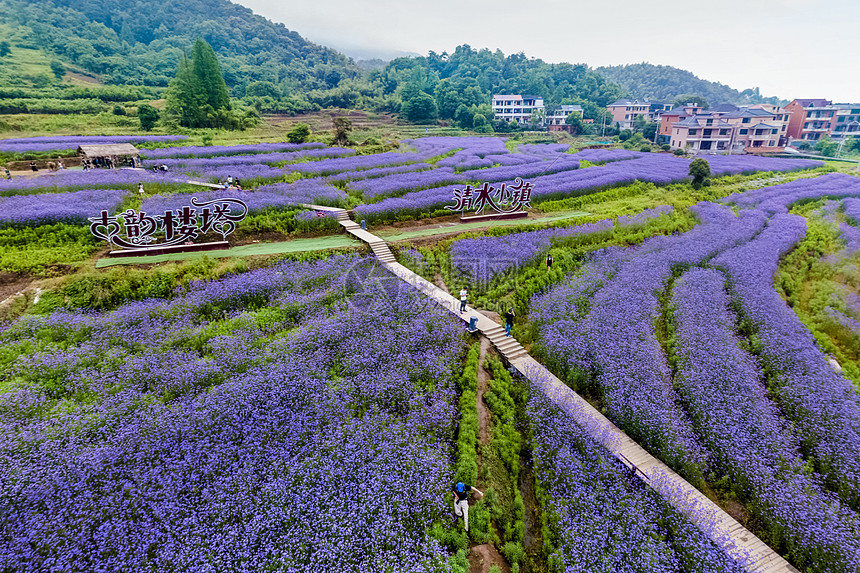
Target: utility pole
(603, 133)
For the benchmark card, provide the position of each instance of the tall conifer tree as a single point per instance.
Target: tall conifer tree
(198, 91)
(208, 73)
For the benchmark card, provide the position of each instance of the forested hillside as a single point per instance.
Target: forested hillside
(439, 85)
(665, 83)
(140, 41)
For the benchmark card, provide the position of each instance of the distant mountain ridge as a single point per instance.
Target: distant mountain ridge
(666, 83)
(140, 42)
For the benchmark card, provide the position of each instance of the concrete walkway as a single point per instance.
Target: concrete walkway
(718, 525)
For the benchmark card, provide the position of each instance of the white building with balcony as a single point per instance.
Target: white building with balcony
(518, 108)
(559, 116)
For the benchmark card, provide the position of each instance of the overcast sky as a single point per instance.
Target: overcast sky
(788, 48)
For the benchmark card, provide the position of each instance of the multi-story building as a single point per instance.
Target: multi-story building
(703, 134)
(625, 111)
(559, 116)
(657, 109)
(518, 108)
(556, 119)
(673, 116)
(753, 129)
(846, 121)
(812, 119)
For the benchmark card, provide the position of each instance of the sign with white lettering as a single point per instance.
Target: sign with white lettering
(505, 199)
(139, 230)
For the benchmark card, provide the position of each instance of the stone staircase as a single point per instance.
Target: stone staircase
(506, 345)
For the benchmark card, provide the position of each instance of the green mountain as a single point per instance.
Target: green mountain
(140, 41)
(665, 83)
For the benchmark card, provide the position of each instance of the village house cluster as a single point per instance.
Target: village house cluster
(725, 128)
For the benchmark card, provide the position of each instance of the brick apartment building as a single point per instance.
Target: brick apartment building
(625, 111)
(812, 119)
(724, 129)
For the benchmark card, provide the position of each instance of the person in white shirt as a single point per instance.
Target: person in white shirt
(463, 296)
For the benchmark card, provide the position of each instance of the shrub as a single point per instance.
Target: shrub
(147, 115)
(299, 133)
(679, 152)
(119, 110)
(700, 171)
(515, 553)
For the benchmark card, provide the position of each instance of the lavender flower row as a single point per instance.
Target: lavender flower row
(62, 143)
(544, 150)
(204, 163)
(483, 259)
(224, 150)
(821, 404)
(348, 176)
(72, 207)
(401, 182)
(332, 166)
(852, 210)
(607, 155)
(615, 342)
(778, 198)
(66, 179)
(601, 519)
(264, 197)
(722, 387)
(436, 145)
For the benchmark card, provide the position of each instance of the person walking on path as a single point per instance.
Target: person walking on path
(8, 174)
(509, 321)
(33, 166)
(463, 296)
(548, 261)
(461, 501)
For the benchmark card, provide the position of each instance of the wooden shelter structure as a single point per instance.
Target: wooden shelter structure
(109, 154)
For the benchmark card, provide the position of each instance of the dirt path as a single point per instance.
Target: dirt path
(532, 540)
(482, 557)
(440, 282)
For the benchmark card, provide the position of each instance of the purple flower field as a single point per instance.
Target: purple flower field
(267, 196)
(64, 180)
(553, 179)
(763, 410)
(398, 184)
(224, 150)
(303, 416)
(482, 259)
(778, 198)
(247, 424)
(724, 392)
(72, 207)
(62, 143)
(604, 520)
(206, 164)
(822, 405)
